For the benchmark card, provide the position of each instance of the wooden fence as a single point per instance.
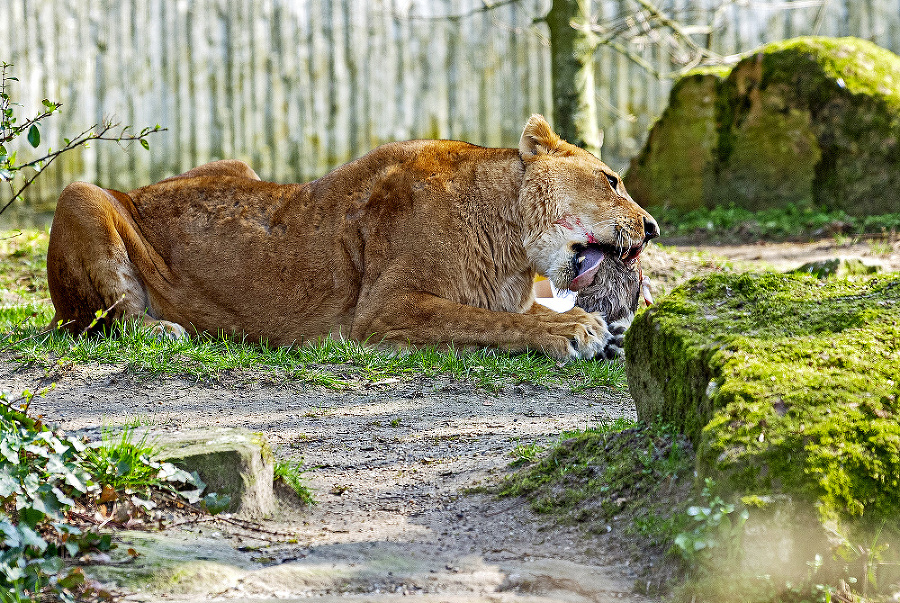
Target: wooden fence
(296, 87)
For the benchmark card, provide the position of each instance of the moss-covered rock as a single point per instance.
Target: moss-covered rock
(670, 171)
(785, 384)
(806, 121)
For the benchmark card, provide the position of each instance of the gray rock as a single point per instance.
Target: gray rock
(234, 462)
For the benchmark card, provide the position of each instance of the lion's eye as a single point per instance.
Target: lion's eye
(613, 181)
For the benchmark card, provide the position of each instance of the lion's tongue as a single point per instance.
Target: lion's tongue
(587, 269)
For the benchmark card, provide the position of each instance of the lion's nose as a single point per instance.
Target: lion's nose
(651, 229)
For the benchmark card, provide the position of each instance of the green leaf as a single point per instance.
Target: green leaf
(145, 144)
(73, 579)
(123, 467)
(32, 538)
(215, 503)
(8, 485)
(13, 539)
(683, 542)
(34, 136)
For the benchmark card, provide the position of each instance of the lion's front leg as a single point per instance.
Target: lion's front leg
(423, 319)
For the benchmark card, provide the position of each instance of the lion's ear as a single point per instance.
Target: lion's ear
(538, 138)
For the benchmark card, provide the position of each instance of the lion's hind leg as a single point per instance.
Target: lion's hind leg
(92, 279)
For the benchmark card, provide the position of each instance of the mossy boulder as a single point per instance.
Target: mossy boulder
(785, 383)
(671, 169)
(808, 121)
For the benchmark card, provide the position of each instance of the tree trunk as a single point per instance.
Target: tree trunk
(572, 61)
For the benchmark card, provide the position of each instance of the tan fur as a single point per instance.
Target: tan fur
(419, 242)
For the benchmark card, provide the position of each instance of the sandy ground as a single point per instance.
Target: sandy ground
(390, 466)
(786, 256)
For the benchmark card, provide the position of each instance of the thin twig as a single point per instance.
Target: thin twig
(83, 138)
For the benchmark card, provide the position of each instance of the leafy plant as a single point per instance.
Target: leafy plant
(45, 477)
(40, 475)
(123, 467)
(717, 531)
(12, 128)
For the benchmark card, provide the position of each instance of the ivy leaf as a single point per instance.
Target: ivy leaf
(34, 136)
(62, 498)
(11, 454)
(215, 503)
(31, 538)
(8, 485)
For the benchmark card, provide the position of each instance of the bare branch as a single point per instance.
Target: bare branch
(486, 6)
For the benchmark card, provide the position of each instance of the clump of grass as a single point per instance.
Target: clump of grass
(618, 469)
(524, 454)
(291, 473)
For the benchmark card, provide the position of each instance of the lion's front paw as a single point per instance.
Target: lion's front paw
(589, 336)
(165, 330)
(615, 346)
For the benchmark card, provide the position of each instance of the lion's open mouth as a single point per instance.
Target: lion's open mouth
(588, 259)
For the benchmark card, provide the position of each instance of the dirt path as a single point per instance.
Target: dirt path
(785, 256)
(391, 464)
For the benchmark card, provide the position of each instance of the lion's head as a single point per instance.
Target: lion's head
(576, 208)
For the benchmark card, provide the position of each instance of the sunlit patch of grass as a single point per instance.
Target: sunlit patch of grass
(524, 454)
(791, 222)
(23, 267)
(330, 363)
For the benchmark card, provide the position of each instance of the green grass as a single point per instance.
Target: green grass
(329, 363)
(121, 464)
(733, 224)
(23, 266)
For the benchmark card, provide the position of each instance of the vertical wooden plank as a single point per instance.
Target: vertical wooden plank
(315, 115)
(275, 67)
(198, 26)
(352, 92)
(304, 125)
(258, 105)
(451, 71)
(385, 75)
(214, 80)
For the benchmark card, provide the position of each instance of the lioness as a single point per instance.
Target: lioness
(416, 243)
